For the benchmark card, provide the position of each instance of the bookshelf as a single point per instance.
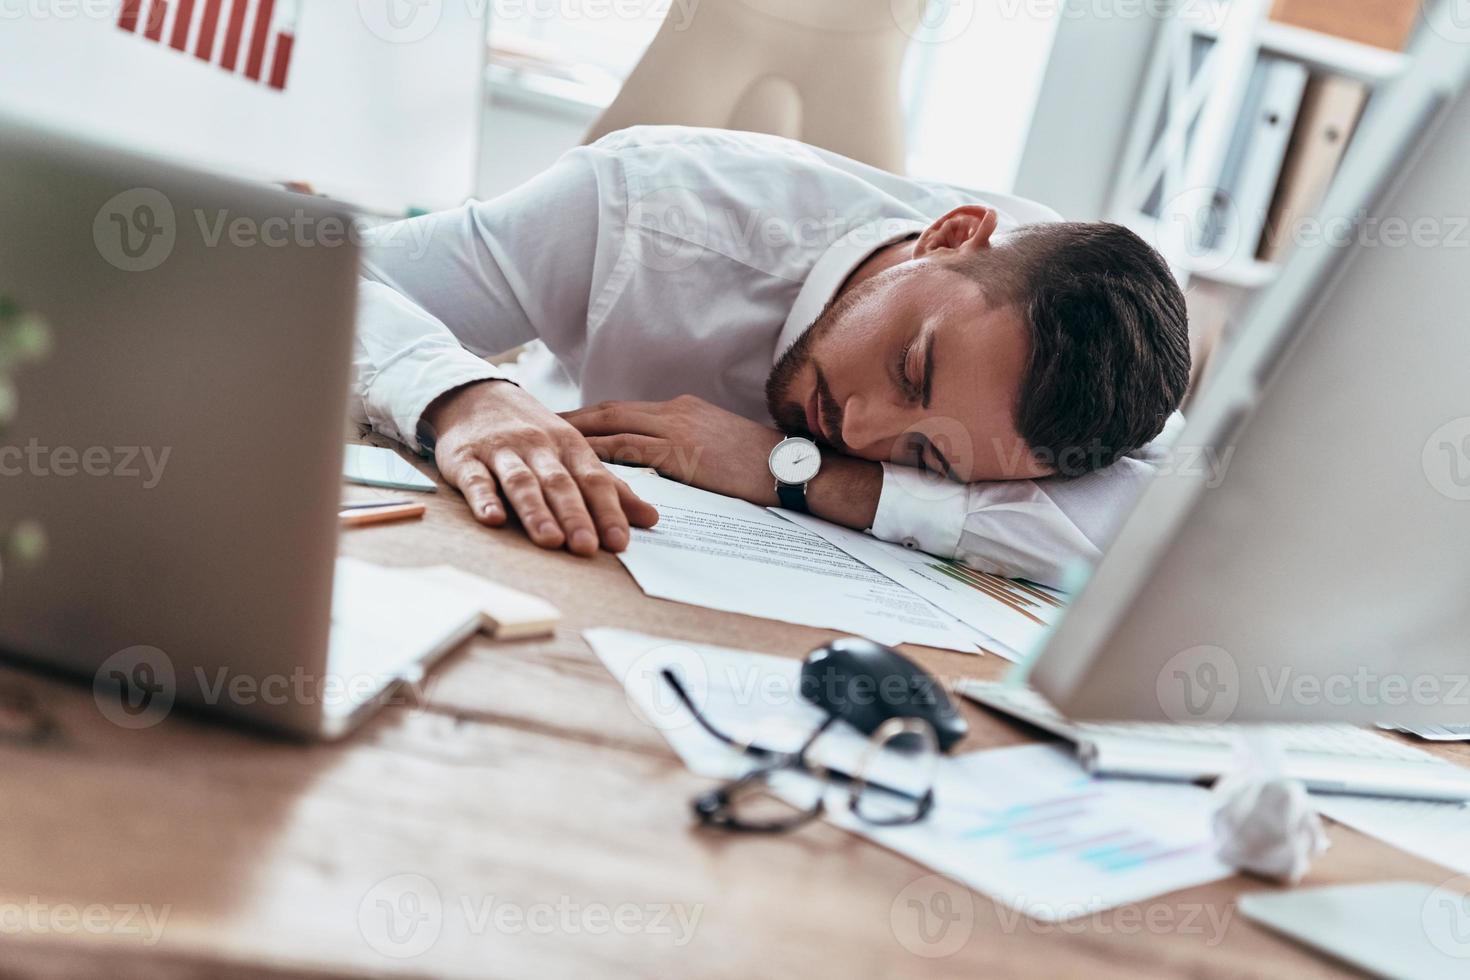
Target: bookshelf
(1195, 92)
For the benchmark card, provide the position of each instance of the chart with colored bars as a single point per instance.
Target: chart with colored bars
(1030, 828)
(1032, 601)
(252, 38)
(1067, 826)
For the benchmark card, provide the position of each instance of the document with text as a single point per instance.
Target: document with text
(1015, 616)
(1024, 825)
(723, 553)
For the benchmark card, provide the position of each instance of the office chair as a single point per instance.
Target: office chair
(825, 72)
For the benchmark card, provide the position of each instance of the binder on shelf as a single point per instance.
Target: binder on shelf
(1253, 162)
(1330, 110)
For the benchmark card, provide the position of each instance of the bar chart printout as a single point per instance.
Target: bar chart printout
(1028, 827)
(1039, 605)
(254, 39)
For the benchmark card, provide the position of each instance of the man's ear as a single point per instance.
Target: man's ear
(965, 229)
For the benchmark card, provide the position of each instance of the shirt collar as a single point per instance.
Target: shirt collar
(833, 268)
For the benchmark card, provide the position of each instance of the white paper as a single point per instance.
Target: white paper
(374, 466)
(1438, 832)
(752, 697)
(1028, 827)
(1434, 733)
(1025, 825)
(1015, 617)
(722, 553)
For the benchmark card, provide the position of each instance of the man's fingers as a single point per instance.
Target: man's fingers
(523, 489)
(565, 498)
(639, 511)
(600, 490)
(615, 418)
(478, 487)
(619, 449)
(628, 449)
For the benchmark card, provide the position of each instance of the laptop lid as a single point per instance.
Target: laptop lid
(180, 445)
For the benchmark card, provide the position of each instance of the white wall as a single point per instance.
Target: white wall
(523, 134)
(971, 81)
(1085, 107)
(368, 115)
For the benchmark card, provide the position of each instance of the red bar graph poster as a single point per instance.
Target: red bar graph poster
(157, 14)
(208, 28)
(281, 62)
(255, 39)
(128, 19)
(261, 34)
(182, 23)
(233, 33)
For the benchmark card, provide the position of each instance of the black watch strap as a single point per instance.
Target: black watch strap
(792, 496)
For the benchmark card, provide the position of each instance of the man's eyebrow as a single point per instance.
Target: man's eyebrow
(928, 386)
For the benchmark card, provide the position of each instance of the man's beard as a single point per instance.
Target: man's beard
(790, 415)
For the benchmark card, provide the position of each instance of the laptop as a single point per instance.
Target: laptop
(179, 449)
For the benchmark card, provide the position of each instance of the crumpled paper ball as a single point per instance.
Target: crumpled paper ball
(1268, 826)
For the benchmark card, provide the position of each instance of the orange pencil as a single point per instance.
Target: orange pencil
(381, 515)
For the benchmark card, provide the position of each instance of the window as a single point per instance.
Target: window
(970, 82)
(581, 50)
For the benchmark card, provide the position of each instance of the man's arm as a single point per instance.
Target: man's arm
(1014, 528)
(442, 291)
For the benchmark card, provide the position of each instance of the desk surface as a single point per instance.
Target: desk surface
(549, 824)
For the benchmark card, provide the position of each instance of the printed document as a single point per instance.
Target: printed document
(1026, 826)
(1438, 832)
(723, 553)
(1014, 615)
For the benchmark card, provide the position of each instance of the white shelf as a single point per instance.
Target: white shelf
(1187, 116)
(544, 93)
(1361, 61)
(1244, 273)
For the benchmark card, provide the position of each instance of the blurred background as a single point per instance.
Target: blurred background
(1211, 127)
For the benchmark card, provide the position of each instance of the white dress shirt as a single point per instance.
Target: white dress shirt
(665, 260)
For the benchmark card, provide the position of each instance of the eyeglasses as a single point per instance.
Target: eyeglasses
(891, 784)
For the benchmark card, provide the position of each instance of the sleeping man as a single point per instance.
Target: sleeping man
(967, 374)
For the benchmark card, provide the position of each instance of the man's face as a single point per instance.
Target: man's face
(912, 366)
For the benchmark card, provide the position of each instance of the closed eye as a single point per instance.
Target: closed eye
(905, 381)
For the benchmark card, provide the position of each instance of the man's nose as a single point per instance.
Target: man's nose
(866, 422)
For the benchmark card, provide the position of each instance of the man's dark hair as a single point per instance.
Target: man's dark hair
(1109, 339)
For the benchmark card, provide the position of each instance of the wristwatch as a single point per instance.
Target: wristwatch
(794, 463)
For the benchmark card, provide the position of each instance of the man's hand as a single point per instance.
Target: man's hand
(694, 442)
(492, 436)
(688, 440)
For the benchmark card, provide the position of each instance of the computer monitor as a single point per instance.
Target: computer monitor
(1307, 555)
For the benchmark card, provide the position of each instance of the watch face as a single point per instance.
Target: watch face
(795, 460)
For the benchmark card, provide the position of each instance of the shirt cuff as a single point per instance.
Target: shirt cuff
(409, 386)
(921, 510)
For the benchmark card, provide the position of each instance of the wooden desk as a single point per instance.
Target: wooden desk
(549, 821)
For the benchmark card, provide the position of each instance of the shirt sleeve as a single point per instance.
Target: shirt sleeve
(1013, 528)
(404, 359)
(442, 292)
